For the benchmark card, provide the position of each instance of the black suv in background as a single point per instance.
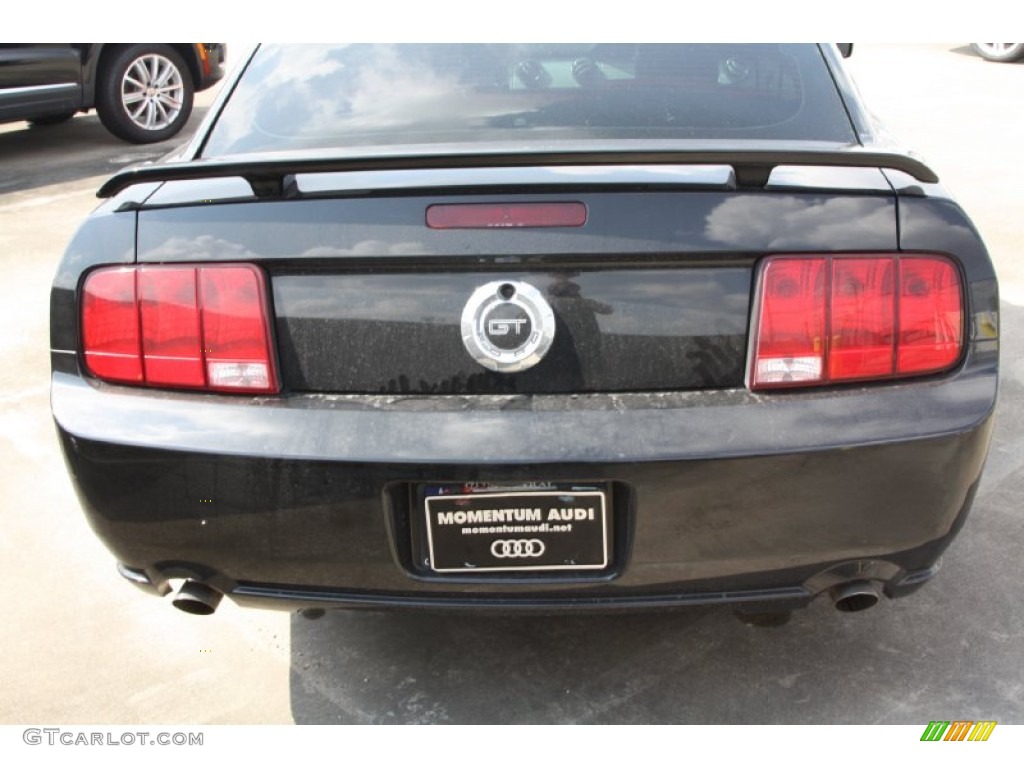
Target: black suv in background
(141, 91)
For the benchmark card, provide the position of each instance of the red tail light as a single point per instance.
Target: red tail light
(830, 319)
(179, 326)
(235, 336)
(931, 317)
(172, 351)
(861, 319)
(790, 346)
(110, 325)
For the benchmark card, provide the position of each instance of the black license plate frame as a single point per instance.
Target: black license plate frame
(527, 528)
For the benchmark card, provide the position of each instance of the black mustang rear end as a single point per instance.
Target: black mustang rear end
(531, 327)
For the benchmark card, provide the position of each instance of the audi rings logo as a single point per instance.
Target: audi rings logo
(503, 548)
(507, 326)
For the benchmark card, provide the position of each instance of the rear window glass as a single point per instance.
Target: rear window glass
(312, 96)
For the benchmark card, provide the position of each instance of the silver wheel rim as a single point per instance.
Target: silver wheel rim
(151, 91)
(997, 49)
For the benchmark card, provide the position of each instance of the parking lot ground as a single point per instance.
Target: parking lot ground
(80, 646)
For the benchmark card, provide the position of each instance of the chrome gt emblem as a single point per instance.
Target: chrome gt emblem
(502, 327)
(507, 326)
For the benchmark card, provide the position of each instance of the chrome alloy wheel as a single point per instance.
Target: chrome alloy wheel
(152, 90)
(996, 49)
(999, 51)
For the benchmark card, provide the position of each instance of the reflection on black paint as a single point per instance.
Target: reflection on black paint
(618, 329)
(578, 344)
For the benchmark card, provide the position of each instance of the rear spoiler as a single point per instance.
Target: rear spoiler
(271, 176)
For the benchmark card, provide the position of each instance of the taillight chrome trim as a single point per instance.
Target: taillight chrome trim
(897, 259)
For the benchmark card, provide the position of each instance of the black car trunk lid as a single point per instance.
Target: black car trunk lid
(651, 292)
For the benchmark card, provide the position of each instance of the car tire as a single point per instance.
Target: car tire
(145, 93)
(999, 51)
(63, 117)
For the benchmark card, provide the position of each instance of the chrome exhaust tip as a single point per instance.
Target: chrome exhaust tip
(854, 596)
(196, 598)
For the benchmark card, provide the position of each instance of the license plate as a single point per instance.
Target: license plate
(546, 530)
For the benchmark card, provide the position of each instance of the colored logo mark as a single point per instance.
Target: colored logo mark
(958, 730)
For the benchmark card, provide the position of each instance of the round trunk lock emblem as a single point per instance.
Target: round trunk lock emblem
(507, 326)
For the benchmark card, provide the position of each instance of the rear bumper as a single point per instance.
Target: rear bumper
(731, 497)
